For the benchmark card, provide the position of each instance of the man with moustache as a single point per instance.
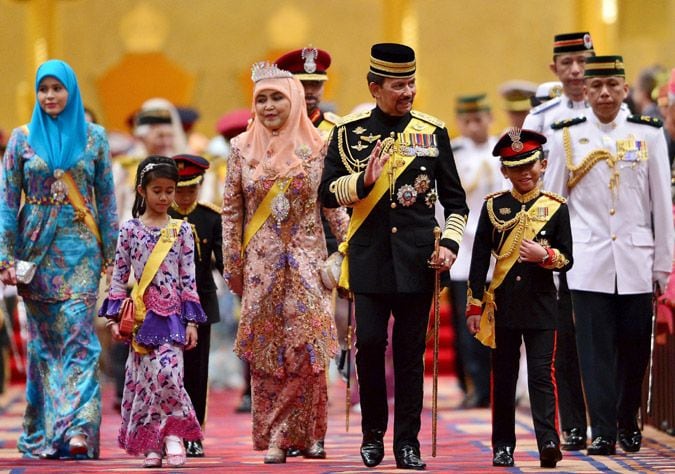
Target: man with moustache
(390, 165)
(614, 169)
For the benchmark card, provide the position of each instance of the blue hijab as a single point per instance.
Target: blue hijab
(59, 141)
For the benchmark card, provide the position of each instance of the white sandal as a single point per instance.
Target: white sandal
(153, 459)
(175, 451)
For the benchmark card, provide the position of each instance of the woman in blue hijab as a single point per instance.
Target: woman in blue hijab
(66, 227)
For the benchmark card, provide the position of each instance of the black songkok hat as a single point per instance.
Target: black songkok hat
(603, 66)
(519, 147)
(472, 103)
(392, 60)
(153, 116)
(573, 43)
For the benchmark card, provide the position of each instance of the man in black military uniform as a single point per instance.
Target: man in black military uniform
(528, 231)
(390, 165)
(207, 231)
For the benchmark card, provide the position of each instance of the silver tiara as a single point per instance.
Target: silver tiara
(264, 70)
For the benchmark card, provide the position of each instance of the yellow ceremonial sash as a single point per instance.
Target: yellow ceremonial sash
(77, 200)
(81, 210)
(362, 209)
(166, 240)
(264, 210)
(532, 225)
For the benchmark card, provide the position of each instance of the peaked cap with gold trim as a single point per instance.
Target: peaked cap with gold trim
(519, 147)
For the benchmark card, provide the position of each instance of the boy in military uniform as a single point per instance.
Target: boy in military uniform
(528, 232)
(390, 165)
(206, 228)
(614, 169)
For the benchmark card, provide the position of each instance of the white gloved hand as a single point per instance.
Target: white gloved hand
(661, 279)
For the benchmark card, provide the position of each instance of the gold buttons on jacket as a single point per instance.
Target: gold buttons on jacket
(393, 205)
(518, 278)
(613, 237)
(612, 211)
(394, 230)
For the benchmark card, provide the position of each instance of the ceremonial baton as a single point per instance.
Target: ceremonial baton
(435, 264)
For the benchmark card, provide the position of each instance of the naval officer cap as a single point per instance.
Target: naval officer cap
(307, 64)
(519, 147)
(573, 43)
(191, 169)
(392, 60)
(604, 66)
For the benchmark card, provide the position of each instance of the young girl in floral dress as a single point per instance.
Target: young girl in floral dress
(157, 414)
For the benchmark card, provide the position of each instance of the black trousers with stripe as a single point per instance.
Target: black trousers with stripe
(411, 316)
(540, 349)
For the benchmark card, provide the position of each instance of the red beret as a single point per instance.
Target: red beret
(233, 123)
(307, 64)
(191, 168)
(517, 147)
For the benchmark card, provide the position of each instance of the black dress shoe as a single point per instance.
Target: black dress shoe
(372, 447)
(408, 457)
(293, 452)
(574, 440)
(602, 446)
(194, 449)
(630, 440)
(315, 451)
(550, 454)
(503, 456)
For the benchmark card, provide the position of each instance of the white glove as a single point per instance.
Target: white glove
(661, 279)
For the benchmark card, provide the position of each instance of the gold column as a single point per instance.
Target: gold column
(41, 40)
(600, 18)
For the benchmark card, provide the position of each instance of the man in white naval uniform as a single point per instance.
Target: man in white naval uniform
(480, 175)
(570, 53)
(613, 167)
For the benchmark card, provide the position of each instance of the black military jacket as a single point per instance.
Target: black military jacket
(527, 297)
(389, 252)
(207, 231)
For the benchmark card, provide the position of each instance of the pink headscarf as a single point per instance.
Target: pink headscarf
(281, 153)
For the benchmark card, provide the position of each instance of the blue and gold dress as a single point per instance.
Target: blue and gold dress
(62, 387)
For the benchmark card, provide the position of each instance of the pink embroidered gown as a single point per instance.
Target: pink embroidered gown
(286, 331)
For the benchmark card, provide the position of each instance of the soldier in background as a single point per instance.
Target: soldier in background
(570, 53)
(205, 221)
(480, 176)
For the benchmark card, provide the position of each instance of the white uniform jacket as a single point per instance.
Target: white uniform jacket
(622, 233)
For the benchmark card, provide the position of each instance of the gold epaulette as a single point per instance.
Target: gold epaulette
(495, 194)
(210, 206)
(554, 196)
(567, 122)
(428, 118)
(331, 117)
(645, 120)
(353, 118)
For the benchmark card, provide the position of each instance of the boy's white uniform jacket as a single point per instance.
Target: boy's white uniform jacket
(622, 236)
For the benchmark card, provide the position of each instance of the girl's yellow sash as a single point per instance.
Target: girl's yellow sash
(531, 227)
(167, 237)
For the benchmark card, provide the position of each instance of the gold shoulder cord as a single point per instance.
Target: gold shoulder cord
(348, 161)
(579, 171)
(519, 222)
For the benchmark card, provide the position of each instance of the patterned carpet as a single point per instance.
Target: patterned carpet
(463, 443)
